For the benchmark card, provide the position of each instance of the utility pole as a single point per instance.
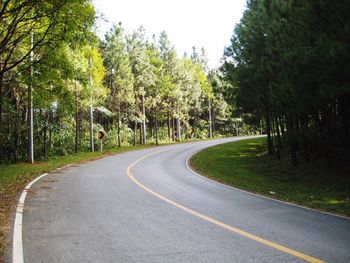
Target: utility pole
(30, 106)
(76, 117)
(210, 121)
(91, 110)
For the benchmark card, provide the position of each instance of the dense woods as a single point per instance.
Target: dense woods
(285, 73)
(288, 64)
(56, 74)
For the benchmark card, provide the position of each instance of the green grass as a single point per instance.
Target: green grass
(246, 165)
(14, 177)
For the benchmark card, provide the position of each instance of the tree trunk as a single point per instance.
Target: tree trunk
(45, 136)
(292, 140)
(1, 118)
(169, 131)
(178, 126)
(173, 127)
(140, 133)
(324, 140)
(268, 132)
(119, 123)
(304, 139)
(210, 121)
(144, 120)
(156, 124)
(344, 115)
(274, 133)
(135, 131)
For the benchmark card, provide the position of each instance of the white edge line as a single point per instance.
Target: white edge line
(17, 247)
(254, 194)
(17, 231)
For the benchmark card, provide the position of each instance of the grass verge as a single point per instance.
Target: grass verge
(14, 177)
(246, 165)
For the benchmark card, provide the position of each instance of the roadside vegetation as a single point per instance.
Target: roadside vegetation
(247, 165)
(287, 64)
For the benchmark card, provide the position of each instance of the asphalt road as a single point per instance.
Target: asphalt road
(159, 211)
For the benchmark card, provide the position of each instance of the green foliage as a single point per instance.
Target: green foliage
(136, 87)
(286, 64)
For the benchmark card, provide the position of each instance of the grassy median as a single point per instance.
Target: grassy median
(246, 165)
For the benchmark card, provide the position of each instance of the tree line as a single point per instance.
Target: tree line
(288, 62)
(60, 84)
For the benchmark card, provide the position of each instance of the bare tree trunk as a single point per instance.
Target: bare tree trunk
(156, 124)
(178, 126)
(135, 131)
(140, 131)
(169, 124)
(268, 131)
(173, 127)
(304, 139)
(276, 133)
(292, 140)
(210, 120)
(324, 141)
(119, 123)
(1, 114)
(45, 135)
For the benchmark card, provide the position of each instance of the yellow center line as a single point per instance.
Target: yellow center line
(216, 222)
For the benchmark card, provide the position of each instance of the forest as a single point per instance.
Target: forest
(285, 74)
(60, 84)
(288, 64)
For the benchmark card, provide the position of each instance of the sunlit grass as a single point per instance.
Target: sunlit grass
(245, 164)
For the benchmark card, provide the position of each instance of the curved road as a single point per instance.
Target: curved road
(147, 206)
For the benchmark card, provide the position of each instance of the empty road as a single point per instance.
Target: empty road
(147, 206)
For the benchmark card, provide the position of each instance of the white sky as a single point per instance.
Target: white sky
(200, 23)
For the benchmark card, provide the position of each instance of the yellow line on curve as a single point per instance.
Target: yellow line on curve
(216, 222)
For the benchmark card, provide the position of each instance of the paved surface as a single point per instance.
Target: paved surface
(94, 213)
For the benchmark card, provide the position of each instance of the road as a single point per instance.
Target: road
(147, 206)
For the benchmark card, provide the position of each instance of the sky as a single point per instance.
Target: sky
(188, 23)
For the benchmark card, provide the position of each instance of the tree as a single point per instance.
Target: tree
(47, 24)
(119, 77)
(282, 65)
(144, 76)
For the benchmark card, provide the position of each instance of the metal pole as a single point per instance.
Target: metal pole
(30, 107)
(91, 110)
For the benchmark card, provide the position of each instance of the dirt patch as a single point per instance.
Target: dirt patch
(51, 181)
(32, 193)
(46, 187)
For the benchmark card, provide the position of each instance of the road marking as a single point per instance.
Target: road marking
(255, 194)
(217, 222)
(17, 243)
(17, 249)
